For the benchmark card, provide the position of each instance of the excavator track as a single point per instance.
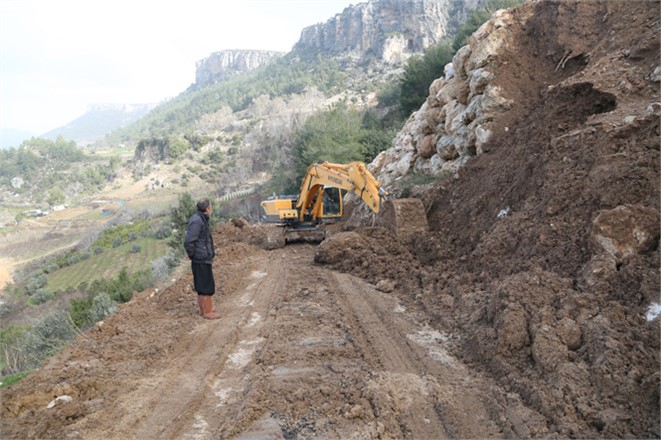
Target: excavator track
(304, 233)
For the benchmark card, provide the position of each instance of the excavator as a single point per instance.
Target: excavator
(320, 200)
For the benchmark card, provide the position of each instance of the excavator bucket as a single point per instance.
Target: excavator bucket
(405, 217)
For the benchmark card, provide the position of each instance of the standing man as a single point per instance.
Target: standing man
(199, 247)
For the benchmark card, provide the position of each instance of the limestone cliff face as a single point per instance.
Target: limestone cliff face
(223, 65)
(388, 30)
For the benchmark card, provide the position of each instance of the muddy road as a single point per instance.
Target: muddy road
(300, 352)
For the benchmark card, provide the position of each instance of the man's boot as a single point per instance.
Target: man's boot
(208, 308)
(200, 303)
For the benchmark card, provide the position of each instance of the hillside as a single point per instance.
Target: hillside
(522, 313)
(98, 121)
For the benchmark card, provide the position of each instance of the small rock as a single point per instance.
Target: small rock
(58, 400)
(385, 286)
(654, 109)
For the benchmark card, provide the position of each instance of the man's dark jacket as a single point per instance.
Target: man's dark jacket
(198, 242)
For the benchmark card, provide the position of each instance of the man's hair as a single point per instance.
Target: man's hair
(202, 205)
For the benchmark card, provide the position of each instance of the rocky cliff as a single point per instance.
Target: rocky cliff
(456, 121)
(489, 81)
(222, 65)
(388, 30)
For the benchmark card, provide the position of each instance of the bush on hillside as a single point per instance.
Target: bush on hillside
(23, 348)
(339, 135)
(41, 296)
(419, 73)
(179, 216)
(36, 282)
(102, 307)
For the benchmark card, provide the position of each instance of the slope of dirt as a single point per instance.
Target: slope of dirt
(533, 257)
(522, 313)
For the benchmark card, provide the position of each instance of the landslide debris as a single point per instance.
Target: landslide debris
(543, 255)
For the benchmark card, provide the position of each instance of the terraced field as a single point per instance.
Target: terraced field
(109, 263)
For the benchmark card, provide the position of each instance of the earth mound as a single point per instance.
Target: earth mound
(543, 254)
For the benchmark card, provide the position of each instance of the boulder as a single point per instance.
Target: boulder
(446, 149)
(427, 147)
(625, 231)
(478, 80)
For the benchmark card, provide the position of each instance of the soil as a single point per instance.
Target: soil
(510, 317)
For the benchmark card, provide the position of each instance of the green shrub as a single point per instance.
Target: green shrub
(420, 72)
(55, 330)
(177, 148)
(79, 310)
(50, 267)
(13, 378)
(24, 348)
(12, 357)
(102, 307)
(41, 296)
(36, 282)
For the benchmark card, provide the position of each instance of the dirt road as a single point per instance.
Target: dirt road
(301, 351)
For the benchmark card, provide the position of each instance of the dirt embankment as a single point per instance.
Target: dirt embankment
(544, 253)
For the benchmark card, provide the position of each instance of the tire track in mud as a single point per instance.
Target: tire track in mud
(433, 394)
(233, 381)
(340, 359)
(302, 352)
(204, 372)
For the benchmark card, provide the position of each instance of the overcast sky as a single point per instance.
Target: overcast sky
(59, 56)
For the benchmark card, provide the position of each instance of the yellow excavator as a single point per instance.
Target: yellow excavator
(320, 200)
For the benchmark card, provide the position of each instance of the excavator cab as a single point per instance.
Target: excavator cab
(331, 204)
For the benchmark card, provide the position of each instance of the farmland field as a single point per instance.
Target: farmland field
(109, 263)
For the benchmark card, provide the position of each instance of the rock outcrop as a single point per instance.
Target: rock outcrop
(388, 30)
(220, 66)
(453, 124)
